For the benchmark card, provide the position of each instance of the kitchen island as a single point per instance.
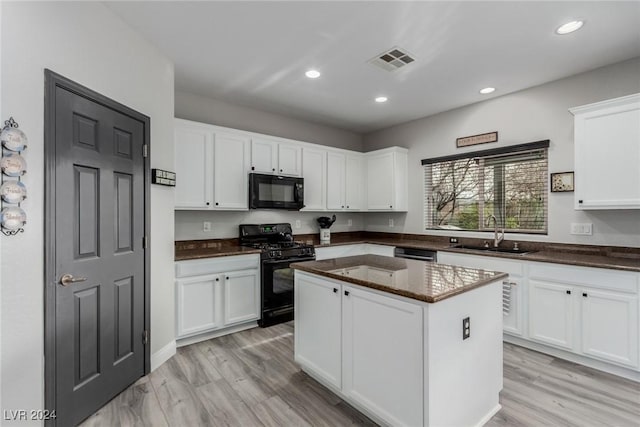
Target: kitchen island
(406, 342)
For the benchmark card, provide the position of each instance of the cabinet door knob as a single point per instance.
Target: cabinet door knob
(347, 206)
(342, 207)
(217, 279)
(568, 292)
(273, 169)
(391, 206)
(335, 290)
(208, 203)
(253, 168)
(217, 203)
(346, 293)
(280, 170)
(227, 277)
(584, 294)
(579, 201)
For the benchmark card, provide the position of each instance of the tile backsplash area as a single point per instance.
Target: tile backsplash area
(189, 225)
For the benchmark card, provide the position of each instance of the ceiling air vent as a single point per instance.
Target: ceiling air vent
(392, 59)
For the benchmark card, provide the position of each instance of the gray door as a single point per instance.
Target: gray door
(99, 267)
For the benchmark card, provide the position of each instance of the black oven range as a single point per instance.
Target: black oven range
(279, 251)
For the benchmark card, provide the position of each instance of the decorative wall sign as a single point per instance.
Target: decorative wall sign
(13, 164)
(161, 177)
(13, 139)
(561, 181)
(12, 190)
(477, 139)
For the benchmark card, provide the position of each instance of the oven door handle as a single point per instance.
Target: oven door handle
(288, 260)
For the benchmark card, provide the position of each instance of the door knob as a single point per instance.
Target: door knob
(68, 279)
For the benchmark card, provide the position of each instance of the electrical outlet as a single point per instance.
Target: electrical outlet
(583, 229)
(206, 226)
(453, 240)
(349, 222)
(298, 224)
(391, 223)
(466, 328)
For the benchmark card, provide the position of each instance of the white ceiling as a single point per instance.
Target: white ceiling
(256, 53)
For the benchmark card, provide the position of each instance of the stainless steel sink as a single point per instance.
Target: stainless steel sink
(492, 249)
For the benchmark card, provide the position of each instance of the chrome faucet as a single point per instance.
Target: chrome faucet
(496, 239)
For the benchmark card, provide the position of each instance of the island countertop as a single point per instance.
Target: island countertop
(424, 281)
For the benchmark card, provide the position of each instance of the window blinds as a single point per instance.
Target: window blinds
(462, 193)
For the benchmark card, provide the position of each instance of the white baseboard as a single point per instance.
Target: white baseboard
(215, 334)
(162, 355)
(609, 368)
(489, 415)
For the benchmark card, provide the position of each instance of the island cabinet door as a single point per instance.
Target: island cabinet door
(318, 327)
(382, 355)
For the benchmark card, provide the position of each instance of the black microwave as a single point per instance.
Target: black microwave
(275, 192)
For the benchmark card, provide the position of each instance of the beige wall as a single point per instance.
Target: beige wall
(529, 115)
(87, 43)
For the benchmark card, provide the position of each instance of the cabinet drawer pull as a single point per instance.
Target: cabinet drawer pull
(579, 201)
(335, 290)
(346, 293)
(584, 294)
(568, 292)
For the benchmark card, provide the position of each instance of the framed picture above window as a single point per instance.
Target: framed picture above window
(464, 192)
(561, 181)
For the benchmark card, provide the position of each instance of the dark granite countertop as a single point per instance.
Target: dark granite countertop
(424, 281)
(618, 258)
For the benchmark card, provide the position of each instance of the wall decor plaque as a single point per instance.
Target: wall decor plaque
(13, 192)
(561, 182)
(483, 138)
(13, 218)
(13, 139)
(13, 164)
(162, 177)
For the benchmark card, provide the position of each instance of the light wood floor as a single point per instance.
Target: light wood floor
(249, 379)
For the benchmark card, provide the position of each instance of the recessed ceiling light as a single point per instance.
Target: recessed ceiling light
(487, 90)
(381, 99)
(569, 27)
(312, 74)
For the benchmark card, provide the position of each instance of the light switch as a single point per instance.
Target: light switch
(582, 229)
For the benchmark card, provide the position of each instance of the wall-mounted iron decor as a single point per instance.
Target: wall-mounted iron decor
(13, 166)
(160, 177)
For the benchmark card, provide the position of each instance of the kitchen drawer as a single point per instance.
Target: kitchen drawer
(586, 276)
(198, 267)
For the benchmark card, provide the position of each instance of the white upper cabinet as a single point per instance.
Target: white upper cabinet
(607, 154)
(275, 157)
(290, 159)
(354, 182)
(335, 181)
(264, 155)
(230, 171)
(314, 167)
(193, 153)
(212, 167)
(345, 181)
(387, 179)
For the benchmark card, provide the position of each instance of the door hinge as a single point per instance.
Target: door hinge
(145, 242)
(145, 337)
(145, 150)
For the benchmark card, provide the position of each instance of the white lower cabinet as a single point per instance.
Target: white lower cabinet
(216, 293)
(382, 355)
(366, 344)
(318, 330)
(610, 326)
(587, 315)
(551, 313)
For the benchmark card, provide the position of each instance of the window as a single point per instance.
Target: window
(465, 192)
